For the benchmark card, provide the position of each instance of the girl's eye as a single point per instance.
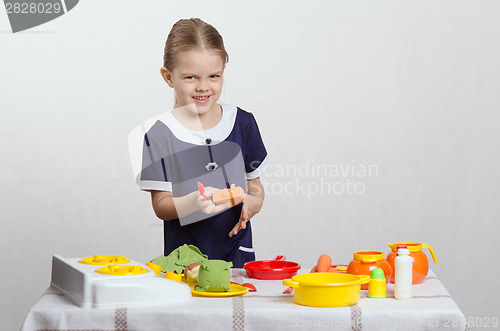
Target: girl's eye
(214, 76)
(189, 78)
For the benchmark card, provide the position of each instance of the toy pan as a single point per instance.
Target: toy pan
(276, 268)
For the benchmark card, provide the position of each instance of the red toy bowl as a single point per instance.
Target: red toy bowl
(277, 268)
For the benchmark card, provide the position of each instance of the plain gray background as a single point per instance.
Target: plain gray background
(408, 89)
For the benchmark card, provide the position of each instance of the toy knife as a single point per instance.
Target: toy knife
(201, 189)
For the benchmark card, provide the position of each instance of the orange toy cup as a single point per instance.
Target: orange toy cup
(420, 261)
(365, 261)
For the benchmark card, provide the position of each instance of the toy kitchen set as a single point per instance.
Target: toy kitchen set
(112, 281)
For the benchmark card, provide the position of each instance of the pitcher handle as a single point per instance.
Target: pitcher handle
(432, 252)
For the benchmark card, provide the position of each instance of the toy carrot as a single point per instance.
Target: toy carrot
(324, 263)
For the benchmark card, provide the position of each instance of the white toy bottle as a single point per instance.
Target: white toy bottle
(403, 269)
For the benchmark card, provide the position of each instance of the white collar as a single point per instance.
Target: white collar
(216, 134)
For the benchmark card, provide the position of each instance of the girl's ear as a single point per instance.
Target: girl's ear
(167, 76)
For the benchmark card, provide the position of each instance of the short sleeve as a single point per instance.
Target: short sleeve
(154, 167)
(255, 154)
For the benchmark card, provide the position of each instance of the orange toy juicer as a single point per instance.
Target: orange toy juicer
(420, 261)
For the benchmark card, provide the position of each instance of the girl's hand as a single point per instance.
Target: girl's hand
(251, 205)
(249, 209)
(207, 206)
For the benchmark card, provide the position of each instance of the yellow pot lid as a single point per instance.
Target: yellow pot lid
(104, 260)
(113, 269)
(369, 256)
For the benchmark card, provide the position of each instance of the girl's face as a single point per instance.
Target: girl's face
(196, 79)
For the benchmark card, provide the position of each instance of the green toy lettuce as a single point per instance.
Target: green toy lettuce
(214, 276)
(179, 258)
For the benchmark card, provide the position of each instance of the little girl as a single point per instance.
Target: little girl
(203, 141)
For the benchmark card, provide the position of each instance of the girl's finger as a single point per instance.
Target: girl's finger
(218, 208)
(235, 230)
(244, 212)
(204, 202)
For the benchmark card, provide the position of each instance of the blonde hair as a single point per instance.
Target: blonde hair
(192, 34)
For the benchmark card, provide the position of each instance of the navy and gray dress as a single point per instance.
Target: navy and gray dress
(176, 158)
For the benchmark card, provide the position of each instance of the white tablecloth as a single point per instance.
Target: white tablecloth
(267, 309)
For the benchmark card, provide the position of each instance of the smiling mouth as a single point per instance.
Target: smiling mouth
(201, 98)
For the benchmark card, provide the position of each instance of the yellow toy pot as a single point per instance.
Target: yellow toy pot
(326, 289)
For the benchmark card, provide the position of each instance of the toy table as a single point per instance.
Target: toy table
(267, 309)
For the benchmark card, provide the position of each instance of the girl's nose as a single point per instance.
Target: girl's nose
(202, 86)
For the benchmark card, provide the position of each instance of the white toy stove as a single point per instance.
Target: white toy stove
(113, 281)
